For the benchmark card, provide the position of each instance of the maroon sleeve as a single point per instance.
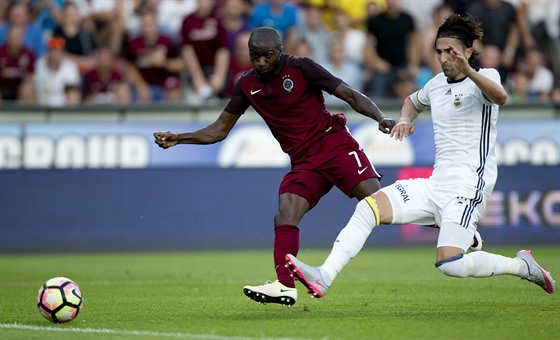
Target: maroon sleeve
(185, 27)
(129, 51)
(317, 76)
(239, 102)
(222, 35)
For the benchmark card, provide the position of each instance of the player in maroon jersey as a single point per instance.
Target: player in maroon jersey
(286, 91)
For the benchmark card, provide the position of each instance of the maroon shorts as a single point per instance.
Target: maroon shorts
(336, 160)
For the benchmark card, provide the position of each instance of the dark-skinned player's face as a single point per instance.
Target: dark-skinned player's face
(264, 57)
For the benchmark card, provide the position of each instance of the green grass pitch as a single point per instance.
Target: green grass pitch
(382, 294)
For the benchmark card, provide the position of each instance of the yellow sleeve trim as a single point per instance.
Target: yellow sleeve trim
(374, 207)
(418, 100)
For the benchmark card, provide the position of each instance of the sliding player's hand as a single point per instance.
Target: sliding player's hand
(402, 129)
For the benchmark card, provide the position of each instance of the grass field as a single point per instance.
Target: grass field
(382, 294)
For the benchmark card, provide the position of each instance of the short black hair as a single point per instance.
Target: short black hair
(266, 36)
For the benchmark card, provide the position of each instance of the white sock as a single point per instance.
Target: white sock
(351, 239)
(483, 264)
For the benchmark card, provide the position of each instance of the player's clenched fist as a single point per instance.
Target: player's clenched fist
(165, 139)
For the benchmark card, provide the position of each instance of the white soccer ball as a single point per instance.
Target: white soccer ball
(59, 299)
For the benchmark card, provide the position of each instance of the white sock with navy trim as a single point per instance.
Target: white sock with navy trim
(351, 238)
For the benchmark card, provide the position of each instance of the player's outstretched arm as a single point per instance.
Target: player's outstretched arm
(213, 133)
(362, 104)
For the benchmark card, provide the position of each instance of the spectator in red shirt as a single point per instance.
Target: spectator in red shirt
(16, 67)
(240, 63)
(151, 59)
(105, 84)
(205, 50)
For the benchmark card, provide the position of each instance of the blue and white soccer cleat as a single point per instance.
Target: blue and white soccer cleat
(537, 274)
(309, 276)
(272, 292)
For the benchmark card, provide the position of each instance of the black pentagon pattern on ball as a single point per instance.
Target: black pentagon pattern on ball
(65, 302)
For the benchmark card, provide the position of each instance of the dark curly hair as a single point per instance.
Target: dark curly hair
(466, 29)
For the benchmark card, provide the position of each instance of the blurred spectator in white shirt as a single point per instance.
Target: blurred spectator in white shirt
(345, 68)
(314, 32)
(170, 15)
(54, 74)
(354, 40)
(533, 81)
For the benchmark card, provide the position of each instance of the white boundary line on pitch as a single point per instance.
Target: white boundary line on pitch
(125, 332)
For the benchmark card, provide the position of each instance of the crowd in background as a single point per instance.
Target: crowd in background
(70, 52)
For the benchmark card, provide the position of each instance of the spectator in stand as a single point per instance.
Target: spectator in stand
(54, 73)
(105, 83)
(421, 12)
(80, 43)
(314, 32)
(46, 13)
(205, 51)
(430, 65)
(240, 61)
(72, 95)
(151, 59)
(303, 49)
(280, 15)
(539, 79)
(170, 14)
(16, 68)
(234, 16)
(459, 6)
(543, 21)
(357, 10)
(131, 11)
(499, 22)
(342, 67)
(18, 15)
(403, 86)
(103, 18)
(392, 47)
(4, 5)
(173, 90)
(354, 40)
(519, 88)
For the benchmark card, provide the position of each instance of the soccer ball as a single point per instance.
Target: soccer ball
(59, 299)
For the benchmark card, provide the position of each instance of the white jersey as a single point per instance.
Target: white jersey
(50, 84)
(464, 132)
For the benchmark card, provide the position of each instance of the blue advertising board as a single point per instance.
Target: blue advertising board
(130, 146)
(214, 208)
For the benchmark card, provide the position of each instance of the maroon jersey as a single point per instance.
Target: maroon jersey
(291, 102)
(137, 52)
(205, 35)
(235, 72)
(14, 69)
(95, 83)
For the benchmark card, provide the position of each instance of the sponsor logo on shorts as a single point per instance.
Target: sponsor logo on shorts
(404, 195)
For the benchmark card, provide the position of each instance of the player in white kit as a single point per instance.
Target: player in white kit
(464, 102)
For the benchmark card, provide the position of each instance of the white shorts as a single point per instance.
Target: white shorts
(419, 201)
